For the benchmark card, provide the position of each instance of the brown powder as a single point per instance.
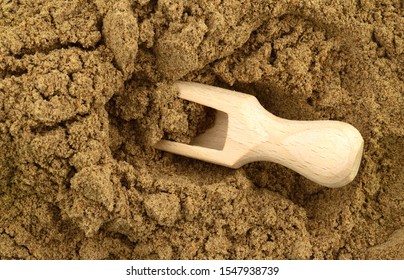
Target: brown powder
(86, 90)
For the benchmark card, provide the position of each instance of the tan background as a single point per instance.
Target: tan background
(86, 90)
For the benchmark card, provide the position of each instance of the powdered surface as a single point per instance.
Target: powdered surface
(86, 90)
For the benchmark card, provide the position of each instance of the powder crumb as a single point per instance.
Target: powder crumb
(121, 33)
(163, 208)
(393, 248)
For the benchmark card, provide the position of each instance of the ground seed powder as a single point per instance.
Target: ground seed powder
(86, 89)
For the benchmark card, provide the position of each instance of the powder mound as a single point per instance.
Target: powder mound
(121, 34)
(177, 53)
(163, 208)
(95, 184)
(217, 246)
(393, 248)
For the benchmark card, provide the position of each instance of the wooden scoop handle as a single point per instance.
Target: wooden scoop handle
(326, 152)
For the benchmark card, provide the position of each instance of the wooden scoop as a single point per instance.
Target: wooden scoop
(326, 152)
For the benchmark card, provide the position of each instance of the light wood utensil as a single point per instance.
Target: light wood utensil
(326, 152)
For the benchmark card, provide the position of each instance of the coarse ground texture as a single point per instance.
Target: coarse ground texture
(86, 89)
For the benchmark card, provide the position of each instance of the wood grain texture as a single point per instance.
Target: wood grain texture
(326, 152)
